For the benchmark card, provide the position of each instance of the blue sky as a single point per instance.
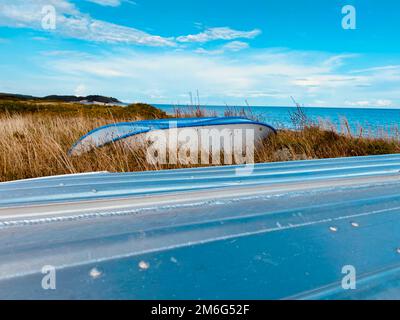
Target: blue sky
(158, 51)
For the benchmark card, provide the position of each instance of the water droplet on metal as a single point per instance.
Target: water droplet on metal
(95, 273)
(144, 265)
(355, 224)
(333, 229)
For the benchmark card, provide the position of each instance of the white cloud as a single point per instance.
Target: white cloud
(96, 30)
(40, 38)
(384, 103)
(111, 3)
(362, 103)
(264, 76)
(221, 33)
(233, 46)
(331, 80)
(74, 24)
(307, 82)
(370, 103)
(380, 68)
(80, 90)
(339, 59)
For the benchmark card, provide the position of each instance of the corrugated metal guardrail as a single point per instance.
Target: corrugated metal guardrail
(285, 231)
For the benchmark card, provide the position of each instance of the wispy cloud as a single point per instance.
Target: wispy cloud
(111, 3)
(74, 24)
(221, 33)
(264, 76)
(80, 90)
(367, 103)
(233, 46)
(378, 69)
(236, 46)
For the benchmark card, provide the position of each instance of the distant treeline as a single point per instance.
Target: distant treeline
(58, 98)
(133, 111)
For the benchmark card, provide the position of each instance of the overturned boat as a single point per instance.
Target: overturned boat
(228, 134)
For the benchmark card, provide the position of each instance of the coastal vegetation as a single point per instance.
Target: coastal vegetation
(65, 109)
(35, 137)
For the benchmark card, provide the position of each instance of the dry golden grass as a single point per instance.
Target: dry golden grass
(312, 142)
(37, 144)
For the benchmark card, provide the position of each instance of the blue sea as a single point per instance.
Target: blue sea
(374, 122)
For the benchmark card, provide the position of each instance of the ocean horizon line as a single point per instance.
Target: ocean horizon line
(271, 106)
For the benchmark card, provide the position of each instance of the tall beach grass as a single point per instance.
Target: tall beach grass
(36, 143)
